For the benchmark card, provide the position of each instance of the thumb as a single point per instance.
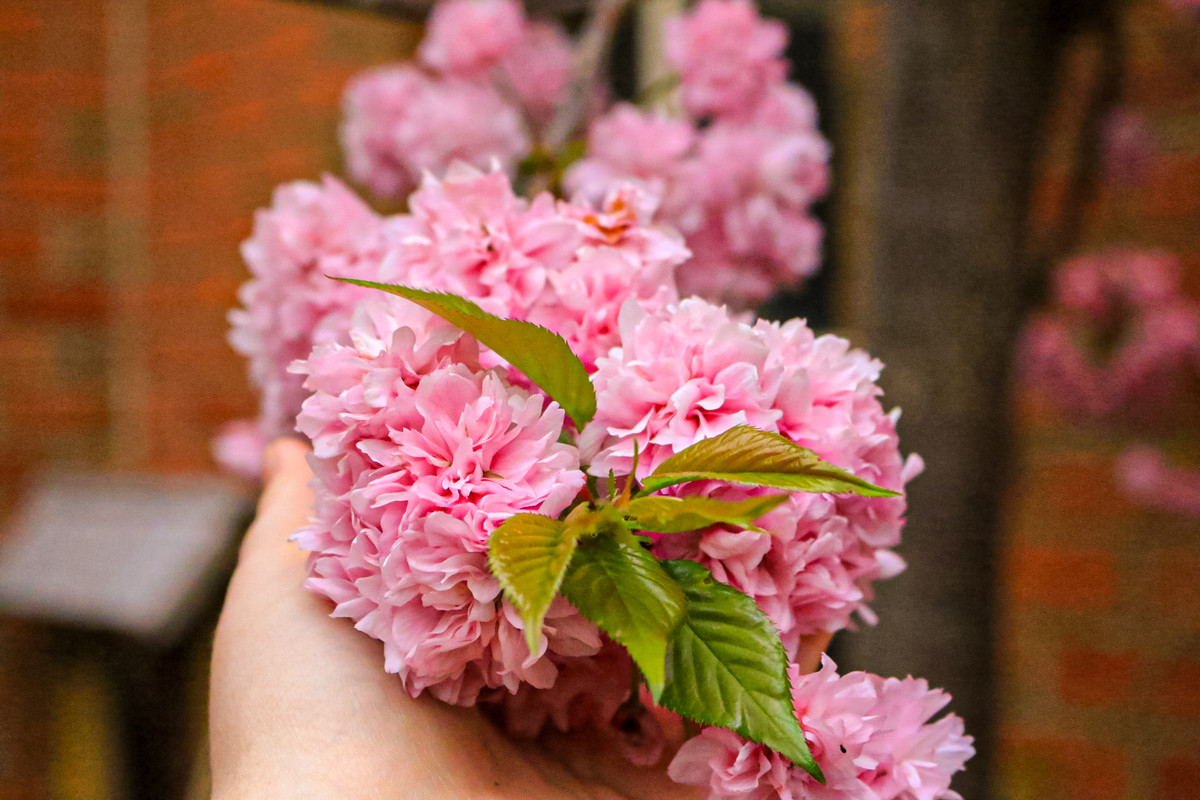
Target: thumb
(285, 504)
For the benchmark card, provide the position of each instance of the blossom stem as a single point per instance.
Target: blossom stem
(590, 55)
(657, 89)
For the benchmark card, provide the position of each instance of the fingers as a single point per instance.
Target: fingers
(284, 506)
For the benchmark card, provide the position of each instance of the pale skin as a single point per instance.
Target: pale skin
(300, 705)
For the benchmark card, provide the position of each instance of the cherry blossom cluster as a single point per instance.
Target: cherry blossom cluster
(1121, 343)
(739, 170)
(1118, 338)
(424, 442)
(692, 371)
(421, 450)
(562, 266)
(872, 736)
(486, 83)
(310, 231)
(1148, 478)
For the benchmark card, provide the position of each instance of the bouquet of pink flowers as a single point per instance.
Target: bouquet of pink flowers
(549, 484)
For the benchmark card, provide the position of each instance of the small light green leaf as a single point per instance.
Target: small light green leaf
(529, 554)
(541, 354)
(623, 589)
(727, 667)
(660, 514)
(751, 457)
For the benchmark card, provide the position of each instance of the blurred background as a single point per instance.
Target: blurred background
(977, 145)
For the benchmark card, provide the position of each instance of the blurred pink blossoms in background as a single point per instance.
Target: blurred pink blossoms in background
(488, 79)
(1118, 336)
(1120, 344)
(737, 174)
(740, 170)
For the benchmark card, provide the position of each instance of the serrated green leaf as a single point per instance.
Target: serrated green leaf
(751, 457)
(623, 589)
(660, 514)
(727, 667)
(529, 555)
(541, 354)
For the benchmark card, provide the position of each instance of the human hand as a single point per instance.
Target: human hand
(300, 706)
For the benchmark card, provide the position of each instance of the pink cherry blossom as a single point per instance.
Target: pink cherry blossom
(400, 122)
(538, 70)
(564, 266)
(311, 231)
(740, 190)
(239, 447)
(466, 38)
(418, 457)
(1120, 338)
(761, 178)
(690, 372)
(586, 694)
(871, 736)
(653, 150)
(1146, 476)
(727, 56)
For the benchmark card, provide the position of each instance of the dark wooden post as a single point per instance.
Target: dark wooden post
(940, 280)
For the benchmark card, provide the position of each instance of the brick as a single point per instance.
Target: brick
(1178, 779)
(58, 303)
(1080, 482)
(1179, 695)
(1174, 188)
(18, 21)
(1175, 592)
(287, 44)
(205, 71)
(1052, 768)
(1091, 677)
(69, 89)
(22, 244)
(251, 115)
(1075, 579)
(65, 190)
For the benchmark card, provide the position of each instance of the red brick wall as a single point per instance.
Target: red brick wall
(136, 139)
(1101, 632)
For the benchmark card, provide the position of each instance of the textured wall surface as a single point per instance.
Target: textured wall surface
(1100, 639)
(136, 139)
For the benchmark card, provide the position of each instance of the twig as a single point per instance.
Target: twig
(591, 54)
(1084, 178)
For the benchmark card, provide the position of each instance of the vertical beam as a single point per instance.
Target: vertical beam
(127, 243)
(948, 99)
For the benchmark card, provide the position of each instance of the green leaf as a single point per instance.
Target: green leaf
(529, 555)
(622, 588)
(752, 457)
(661, 514)
(727, 667)
(541, 354)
